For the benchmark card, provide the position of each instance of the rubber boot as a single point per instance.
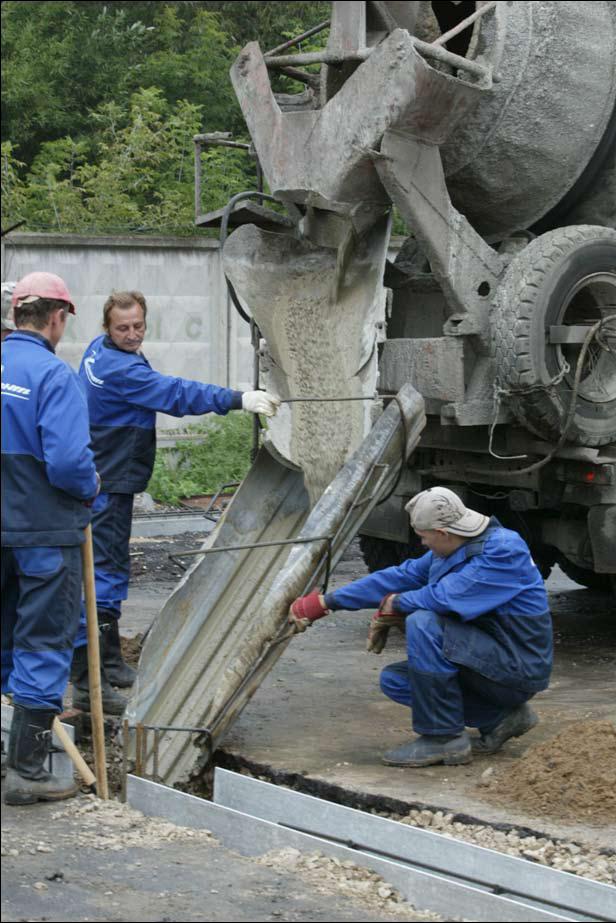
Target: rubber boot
(27, 780)
(427, 750)
(113, 702)
(118, 672)
(519, 721)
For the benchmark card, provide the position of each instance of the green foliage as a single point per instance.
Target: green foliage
(100, 101)
(59, 60)
(142, 175)
(269, 23)
(13, 187)
(202, 467)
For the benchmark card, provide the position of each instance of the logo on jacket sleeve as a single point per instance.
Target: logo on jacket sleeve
(87, 364)
(9, 390)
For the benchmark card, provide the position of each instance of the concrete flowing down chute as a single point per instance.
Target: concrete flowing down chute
(225, 625)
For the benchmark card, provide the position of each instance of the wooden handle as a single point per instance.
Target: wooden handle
(94, 667)
(78, 761)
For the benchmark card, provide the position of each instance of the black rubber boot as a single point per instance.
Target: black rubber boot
(118, 672)
(429, 750)
(517, 722)
(113, 702)
(27, 780)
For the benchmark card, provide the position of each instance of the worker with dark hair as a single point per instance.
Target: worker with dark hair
(48, 481)
(124, 393)
(478, 631)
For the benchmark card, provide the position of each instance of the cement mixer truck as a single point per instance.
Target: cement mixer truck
(480, 354)
(491, 128)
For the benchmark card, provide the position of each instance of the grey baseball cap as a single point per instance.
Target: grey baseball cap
(441, 508)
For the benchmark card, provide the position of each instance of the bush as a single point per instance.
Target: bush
(219, 454)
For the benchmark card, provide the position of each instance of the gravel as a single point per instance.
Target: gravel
(589, 862)
(330, 876)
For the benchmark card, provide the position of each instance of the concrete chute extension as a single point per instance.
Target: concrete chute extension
(225, 625)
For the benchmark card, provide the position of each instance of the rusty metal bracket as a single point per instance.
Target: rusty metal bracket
(141, 747)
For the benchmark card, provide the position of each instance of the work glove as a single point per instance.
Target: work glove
(381, 622)
(260, 402)
(306, 610)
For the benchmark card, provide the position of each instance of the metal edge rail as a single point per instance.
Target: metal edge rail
(473, 897)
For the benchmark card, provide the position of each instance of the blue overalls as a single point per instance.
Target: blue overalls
(47, 473)
(478, 633)
(123, 393)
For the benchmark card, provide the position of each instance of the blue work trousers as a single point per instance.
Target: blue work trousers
(112, 518)
(41, 594)
(445, 697)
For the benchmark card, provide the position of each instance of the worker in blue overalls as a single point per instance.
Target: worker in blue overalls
(478, 631)
(48, 482)
(123, 393)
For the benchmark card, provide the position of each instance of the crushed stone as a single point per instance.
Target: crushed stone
(329, 875)
(587, 861)
(104, 825)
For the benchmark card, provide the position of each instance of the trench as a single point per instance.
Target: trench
(384, 806)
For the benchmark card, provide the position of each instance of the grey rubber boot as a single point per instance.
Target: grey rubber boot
(117, 671)
(113, 702)
(27, 780)
(430, 750)
(517, 722)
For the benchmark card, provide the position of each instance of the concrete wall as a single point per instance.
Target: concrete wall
(193, 329)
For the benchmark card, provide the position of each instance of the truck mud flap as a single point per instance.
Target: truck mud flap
(225, 626)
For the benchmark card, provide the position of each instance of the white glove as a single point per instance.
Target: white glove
(260, 402)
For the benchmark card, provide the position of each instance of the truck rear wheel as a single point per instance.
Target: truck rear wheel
(379, 553)
(563, 279)
(587, 578)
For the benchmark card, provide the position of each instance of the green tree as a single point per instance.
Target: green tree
(101, 100)
(13, 186)
(59, 60)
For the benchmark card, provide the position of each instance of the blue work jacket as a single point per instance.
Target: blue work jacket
(491, 599)
(123, 393)
(47, 464)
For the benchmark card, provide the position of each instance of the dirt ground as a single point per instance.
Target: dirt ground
(320, 722)
(572, 775)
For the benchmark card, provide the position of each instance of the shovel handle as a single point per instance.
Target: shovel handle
(94, 666)
(77, 759)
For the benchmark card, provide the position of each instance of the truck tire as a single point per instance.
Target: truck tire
(379, 553)
(563, 278)
(587, 578)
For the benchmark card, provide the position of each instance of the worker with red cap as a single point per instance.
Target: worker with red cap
(48, 481)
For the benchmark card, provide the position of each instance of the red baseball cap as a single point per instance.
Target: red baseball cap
(41, 285)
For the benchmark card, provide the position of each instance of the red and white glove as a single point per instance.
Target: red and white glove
(381, 622)
(306, 610)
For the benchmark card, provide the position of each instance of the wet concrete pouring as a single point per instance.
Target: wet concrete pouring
(319, 724)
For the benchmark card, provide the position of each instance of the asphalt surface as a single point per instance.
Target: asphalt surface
(319, 714)
(179, 880)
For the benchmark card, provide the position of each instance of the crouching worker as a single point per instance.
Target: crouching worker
(478, 631)
(124, 393)
(48, 477)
